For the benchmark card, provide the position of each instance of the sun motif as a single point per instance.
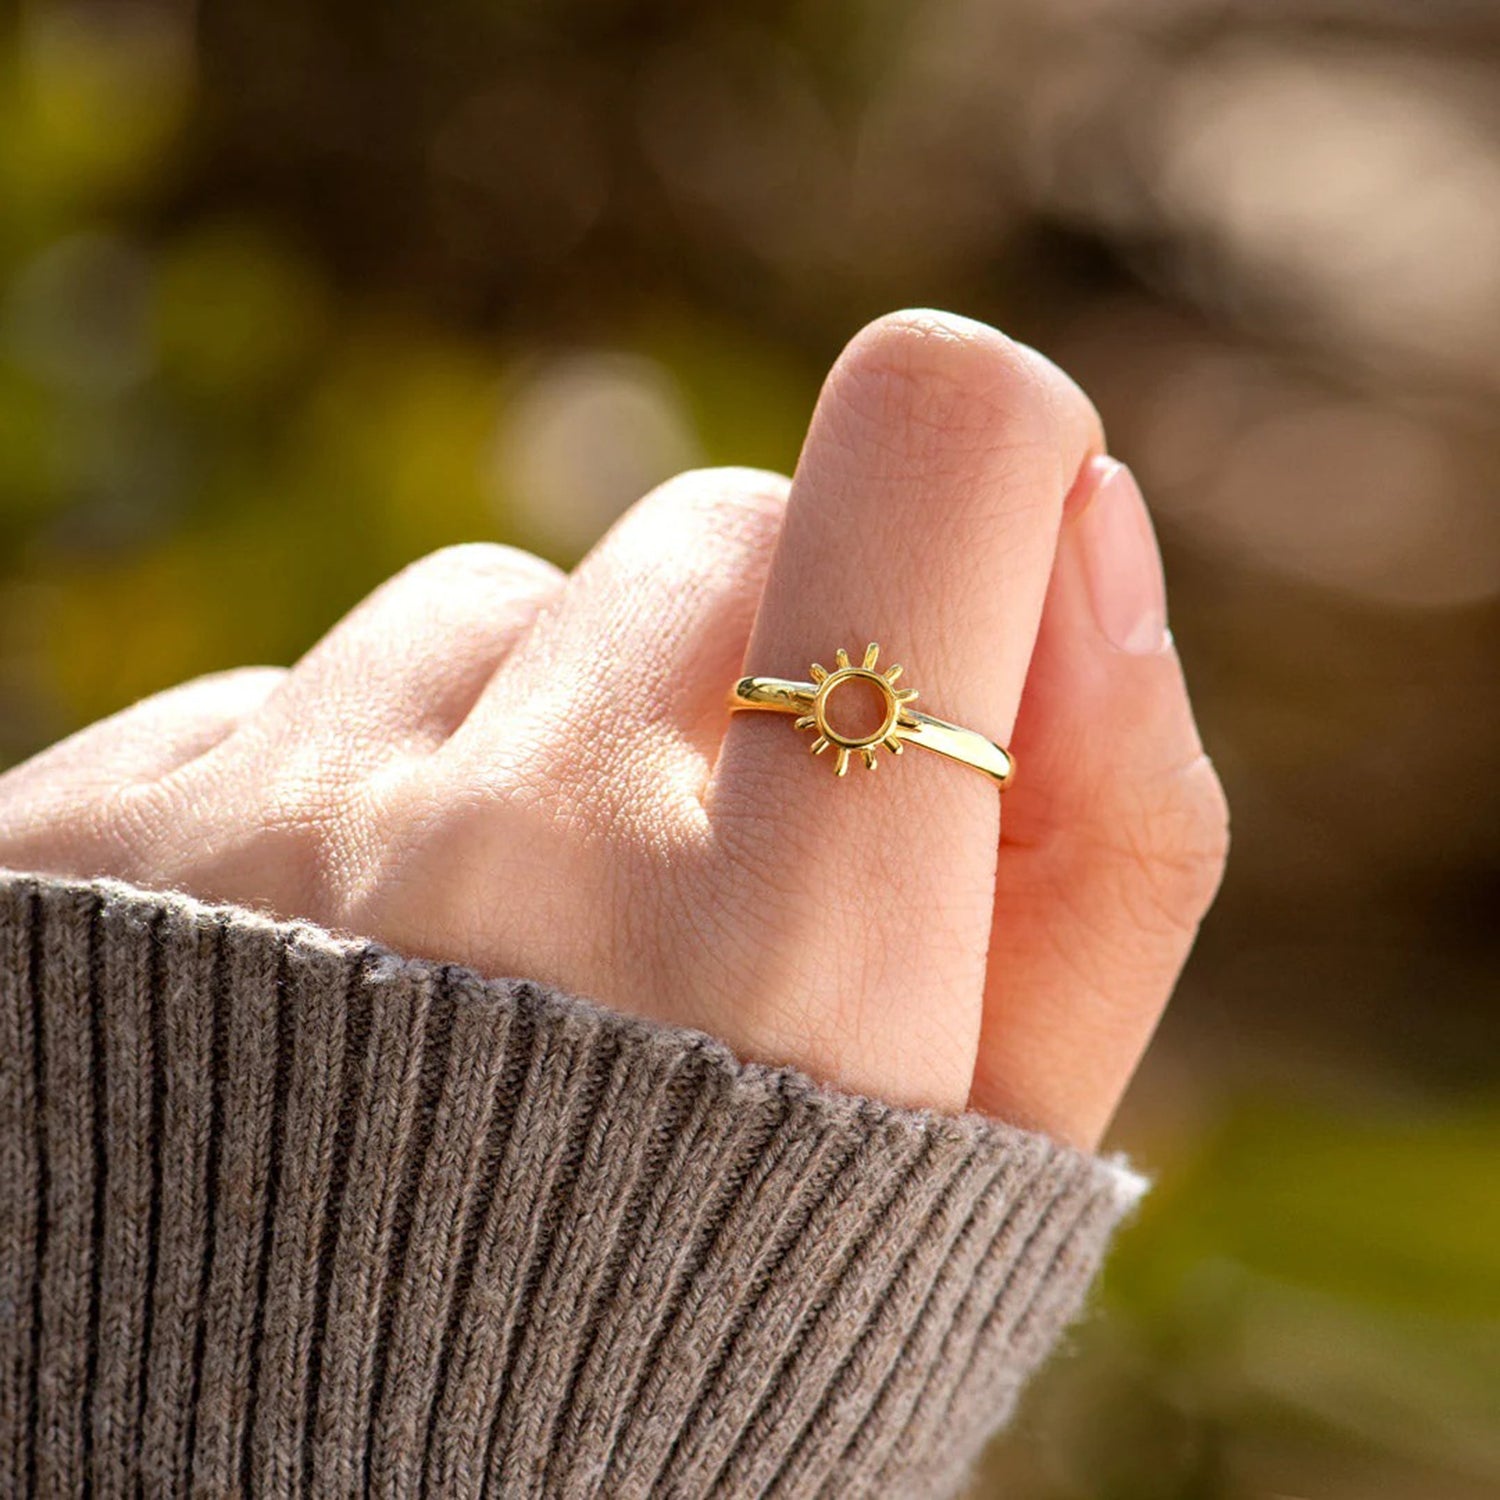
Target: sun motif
(895, 719)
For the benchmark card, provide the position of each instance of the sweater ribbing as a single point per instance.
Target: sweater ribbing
(284, 1213)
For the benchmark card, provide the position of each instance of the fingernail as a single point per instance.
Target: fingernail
(1121, 563)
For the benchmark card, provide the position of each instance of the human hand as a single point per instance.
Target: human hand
(491, 763)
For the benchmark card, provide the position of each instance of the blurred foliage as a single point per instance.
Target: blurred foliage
(1307, 1307)
(292, 291)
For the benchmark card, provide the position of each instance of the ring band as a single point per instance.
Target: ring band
(900, 724)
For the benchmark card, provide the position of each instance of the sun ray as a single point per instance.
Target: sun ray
(810, 707)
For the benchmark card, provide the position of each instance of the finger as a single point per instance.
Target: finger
(1115, 836)
(305, 795)
(575, 782)
(923, 515)
(399, 673)
(69, 803)
(635, 660)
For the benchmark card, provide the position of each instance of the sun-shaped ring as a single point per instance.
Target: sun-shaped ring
(899, 725)
(896, 716)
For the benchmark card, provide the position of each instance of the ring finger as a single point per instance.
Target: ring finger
(924, 516)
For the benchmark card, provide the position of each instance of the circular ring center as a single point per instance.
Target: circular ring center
(863, 681)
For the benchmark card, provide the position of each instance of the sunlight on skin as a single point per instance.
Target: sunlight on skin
(437, 757)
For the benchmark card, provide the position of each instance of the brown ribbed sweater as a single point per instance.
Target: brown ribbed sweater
(283, 1213)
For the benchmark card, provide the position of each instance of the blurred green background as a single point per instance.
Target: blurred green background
(292, 291)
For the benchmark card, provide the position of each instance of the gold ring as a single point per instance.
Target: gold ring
(900, 724)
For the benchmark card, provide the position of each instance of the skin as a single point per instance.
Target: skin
(533, 773)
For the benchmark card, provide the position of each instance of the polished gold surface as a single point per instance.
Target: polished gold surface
(900, 724)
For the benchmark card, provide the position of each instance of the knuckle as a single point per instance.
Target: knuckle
(478, 562)
(726, 483)
(727, 503)
(1178, 849)
(232, 692)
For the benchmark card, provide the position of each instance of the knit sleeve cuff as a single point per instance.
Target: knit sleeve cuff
(282, 1211)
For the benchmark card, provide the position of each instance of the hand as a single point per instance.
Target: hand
(534, 774)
